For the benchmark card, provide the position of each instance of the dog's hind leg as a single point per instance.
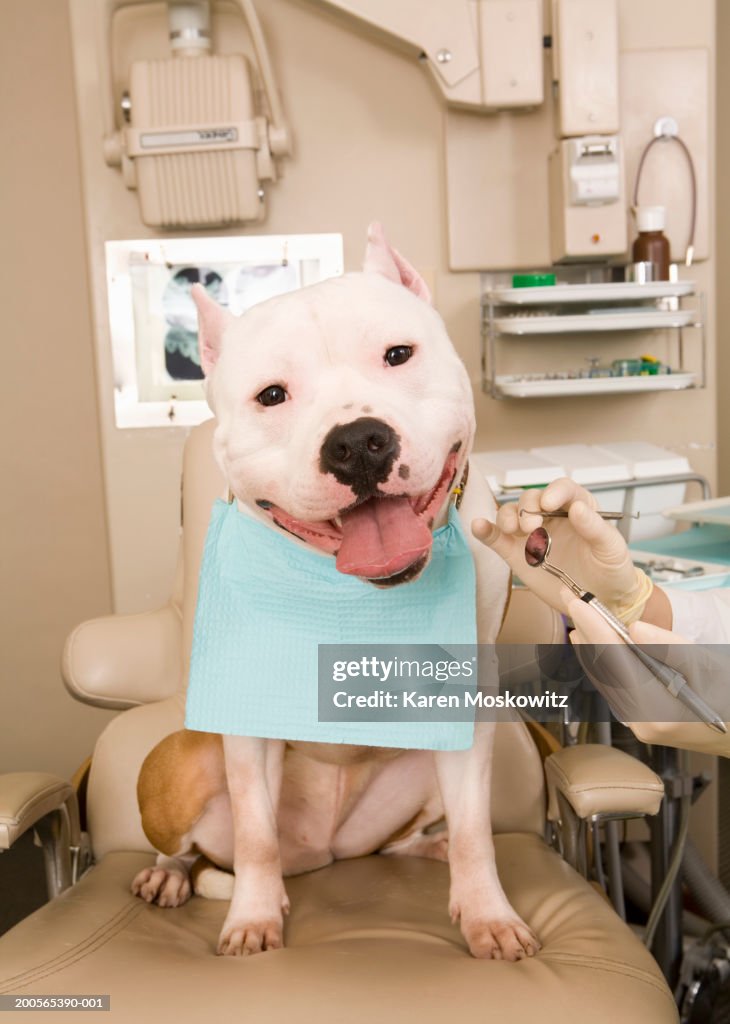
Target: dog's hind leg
(210, 881)
(179, 779)
(168, 883)
(433, 845)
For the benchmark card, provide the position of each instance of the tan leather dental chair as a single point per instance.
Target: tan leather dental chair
(368, 939)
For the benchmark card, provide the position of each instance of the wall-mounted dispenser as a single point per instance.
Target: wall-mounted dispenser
(587, 203)
(192, 140)
(586, 171)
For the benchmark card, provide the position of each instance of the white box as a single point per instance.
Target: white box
(585, 464)
(515, 468)
(644, 459)
(648, 460)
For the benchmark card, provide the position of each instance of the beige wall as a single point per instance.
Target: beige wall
(55, 568)
(368, 127)
(723, 247)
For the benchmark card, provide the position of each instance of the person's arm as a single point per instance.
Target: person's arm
(701, 616)
(658, 610)
(635, 696)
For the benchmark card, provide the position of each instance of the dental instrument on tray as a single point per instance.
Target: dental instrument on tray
(537, 548)
(561, 513)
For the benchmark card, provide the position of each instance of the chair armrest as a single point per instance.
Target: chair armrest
(48, 805)
(598, 779)
(26, 797)
(684, 735)
(121, 661)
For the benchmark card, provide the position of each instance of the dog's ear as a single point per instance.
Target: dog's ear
(382, 258)
(212, 321)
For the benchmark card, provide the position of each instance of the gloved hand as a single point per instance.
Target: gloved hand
(590, 549)
(636, 696)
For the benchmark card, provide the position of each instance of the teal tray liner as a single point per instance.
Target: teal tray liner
(707, 543)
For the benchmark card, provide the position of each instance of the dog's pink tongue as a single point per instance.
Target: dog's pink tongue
(381, 537)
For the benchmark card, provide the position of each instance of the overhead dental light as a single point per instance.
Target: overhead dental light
(193, 141)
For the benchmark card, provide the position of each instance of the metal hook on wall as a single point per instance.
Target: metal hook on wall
(666, 129)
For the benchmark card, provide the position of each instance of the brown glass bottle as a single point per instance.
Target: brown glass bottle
(651, 244)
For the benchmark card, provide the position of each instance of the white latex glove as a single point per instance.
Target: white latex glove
(635, 696)
(590, 549)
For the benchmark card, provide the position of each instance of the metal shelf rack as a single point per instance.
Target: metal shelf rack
(526, 315)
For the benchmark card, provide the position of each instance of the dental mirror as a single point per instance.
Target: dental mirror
(537, 547)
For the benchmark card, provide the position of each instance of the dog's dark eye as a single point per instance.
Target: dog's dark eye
(274, 394)
(398, 354)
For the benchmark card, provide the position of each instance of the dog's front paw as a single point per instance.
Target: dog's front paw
(164, 886)
(498, 938)
(255, 919)
(241, 938)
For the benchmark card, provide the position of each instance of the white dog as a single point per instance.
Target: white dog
(344, 418)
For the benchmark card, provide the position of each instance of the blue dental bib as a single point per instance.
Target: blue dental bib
(264, 606)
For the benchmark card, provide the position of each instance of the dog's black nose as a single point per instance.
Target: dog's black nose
(360, 454)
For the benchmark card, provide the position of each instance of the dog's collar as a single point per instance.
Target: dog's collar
(457, 494)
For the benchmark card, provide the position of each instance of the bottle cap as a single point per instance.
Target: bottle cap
(650, 218)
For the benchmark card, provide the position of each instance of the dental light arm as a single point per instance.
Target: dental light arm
(485, 56)
(113, 144)
(279, 139)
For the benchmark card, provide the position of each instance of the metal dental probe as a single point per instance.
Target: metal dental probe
(561, 513)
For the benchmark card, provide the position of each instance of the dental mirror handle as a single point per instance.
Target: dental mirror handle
(672, 680)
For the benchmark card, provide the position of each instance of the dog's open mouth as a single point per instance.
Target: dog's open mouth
(385, 539)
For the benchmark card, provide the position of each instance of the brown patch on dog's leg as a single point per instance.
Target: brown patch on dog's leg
(177, 779)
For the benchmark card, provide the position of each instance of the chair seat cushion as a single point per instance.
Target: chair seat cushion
(368, 940)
